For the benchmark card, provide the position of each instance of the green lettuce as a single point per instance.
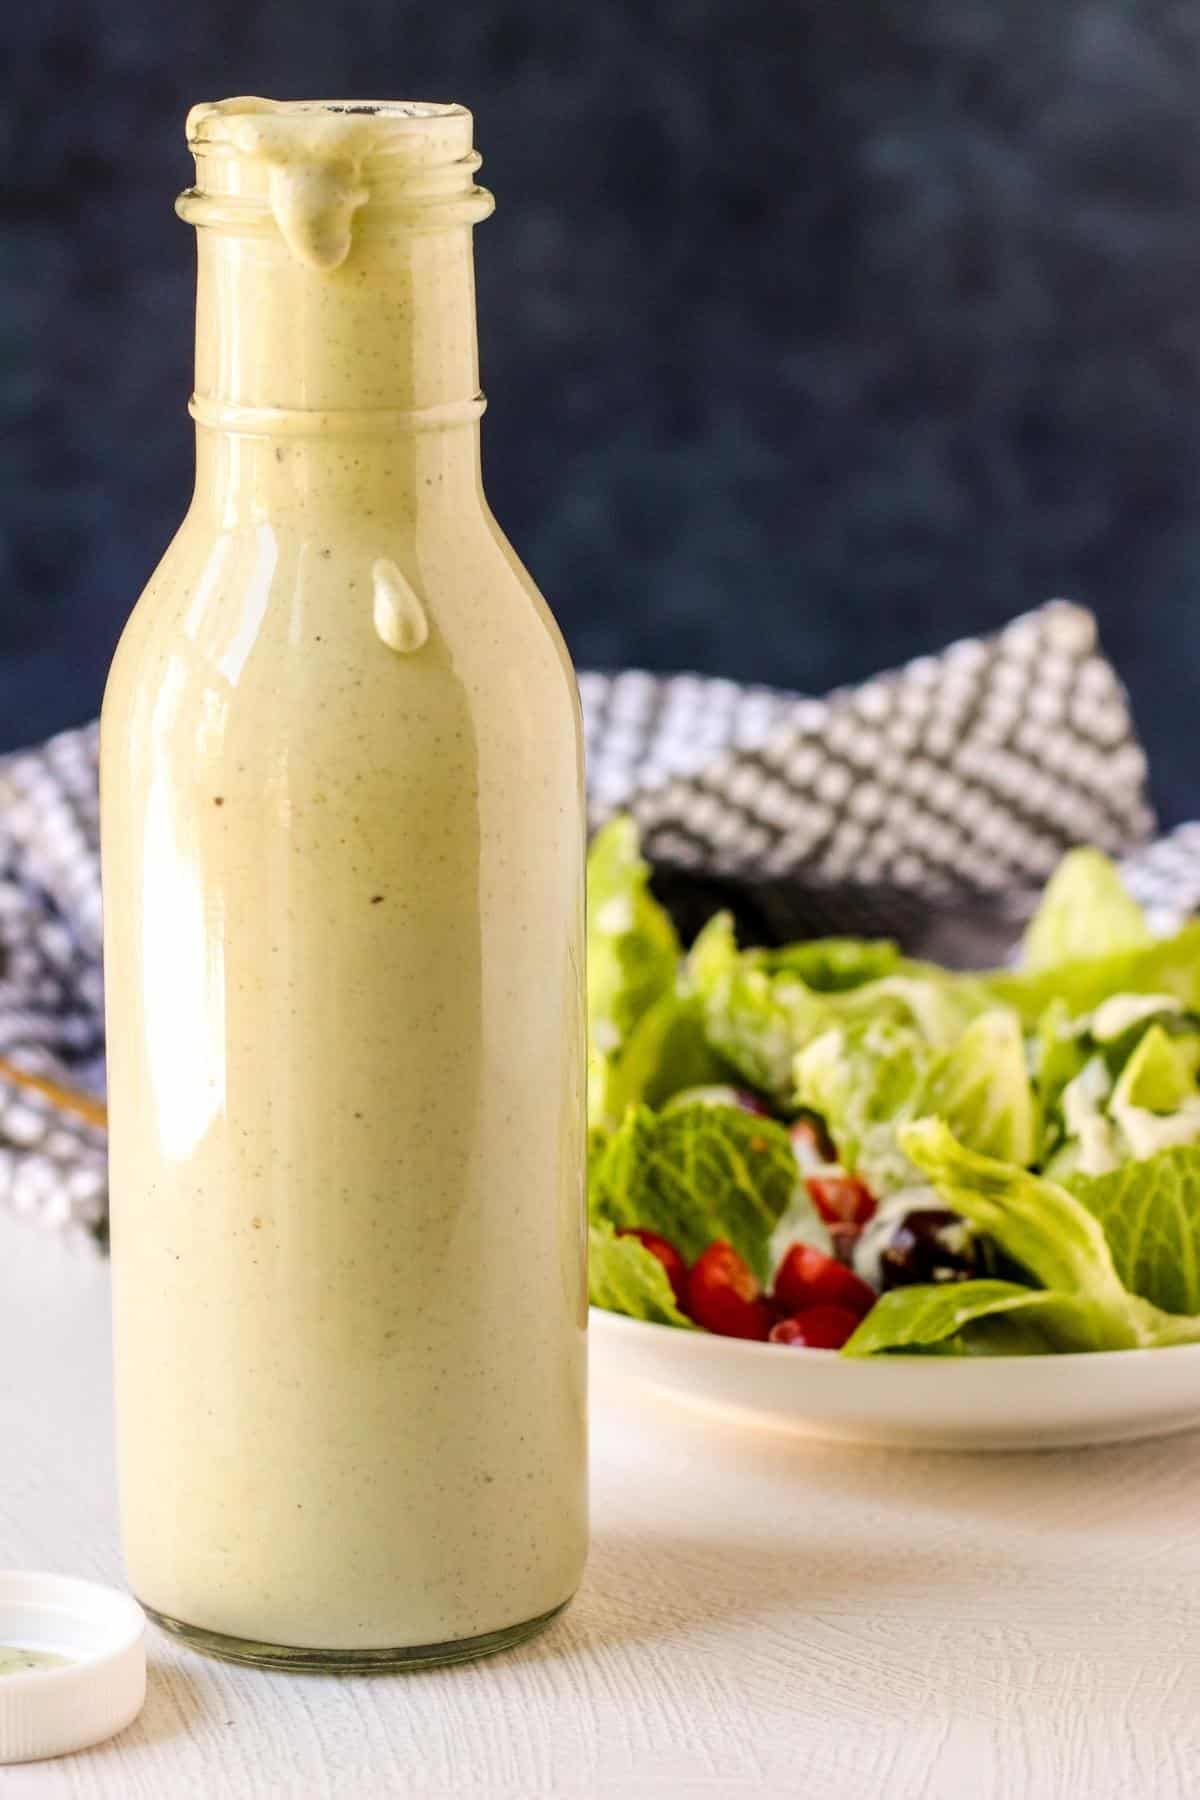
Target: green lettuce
(1169, 967)
(1120, 1023)
(696, 1173)
(1118, 1259)
(666, 1053)
(981, 1088)
(1089, 941)
(633, 957)
(633, 950)
(1118, 1084)
(1034, 1221)
(864, 1080)
(1057, 1054)
(1047, 1230)
(756, 1020)
(1155, 1103)
(763, 1007)
(1086, 911)
(835, 965)
(869, 1078)
(937, 1006)
(624, 1277)
(1158, 1077)
(974, 1318)
(1149, 1213)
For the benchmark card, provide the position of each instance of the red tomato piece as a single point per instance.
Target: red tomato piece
(724, 1296)
(668, 1256)
(817, 1328)
(840, 1199)
(807, 1277)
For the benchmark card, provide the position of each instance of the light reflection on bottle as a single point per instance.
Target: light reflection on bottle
(183, 947)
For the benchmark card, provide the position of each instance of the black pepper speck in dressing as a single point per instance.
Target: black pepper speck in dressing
(17, 1661)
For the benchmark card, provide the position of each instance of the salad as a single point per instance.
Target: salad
(834, 1146)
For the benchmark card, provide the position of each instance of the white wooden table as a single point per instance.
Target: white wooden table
(762, 1616)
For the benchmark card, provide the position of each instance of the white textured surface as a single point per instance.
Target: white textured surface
(762, 1616)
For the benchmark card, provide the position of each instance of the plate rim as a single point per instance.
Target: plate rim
(800, 1354)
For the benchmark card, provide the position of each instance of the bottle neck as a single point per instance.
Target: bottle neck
(336, 355)
(320, 389)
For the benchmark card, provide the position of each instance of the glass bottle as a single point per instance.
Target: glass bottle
(342, 828)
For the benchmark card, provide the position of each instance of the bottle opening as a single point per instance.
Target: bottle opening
(254, 106)
(247, 121)
(312, 166)
(390, 109)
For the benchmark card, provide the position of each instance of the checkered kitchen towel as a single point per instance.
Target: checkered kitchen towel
(965, 773)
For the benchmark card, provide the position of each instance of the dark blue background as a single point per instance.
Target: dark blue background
(814, 334)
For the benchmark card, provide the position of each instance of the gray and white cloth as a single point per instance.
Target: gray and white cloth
(958, 777)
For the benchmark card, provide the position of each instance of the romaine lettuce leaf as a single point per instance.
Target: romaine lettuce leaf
(665, 1053)
(624, 1277)
(937, 1006)
(1150, 1215)
(1170, 966)
(1058, 1052)
(1085, 911)
(1155, 1104)
(1062, 1242)
(757, 1021)
(864, 1080)
(632, 950)
(834, 965)
(1119, 1257)
(1133, 1090)
(981, 1088)
(1159, 1076)
(867, 1079)
(1036, 1222)
(1120, 1021)
(697, 1173)
(760, 1012)
(950, 1316)
(1043, 1227)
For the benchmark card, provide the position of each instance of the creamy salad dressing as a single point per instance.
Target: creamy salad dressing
(14, 1660)
(314, 159)
(342, 835)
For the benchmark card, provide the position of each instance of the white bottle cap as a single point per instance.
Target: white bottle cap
(95, 1692)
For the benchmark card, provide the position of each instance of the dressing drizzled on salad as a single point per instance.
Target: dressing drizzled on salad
(833, 1146)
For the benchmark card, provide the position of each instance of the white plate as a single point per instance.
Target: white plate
(914, 1402)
